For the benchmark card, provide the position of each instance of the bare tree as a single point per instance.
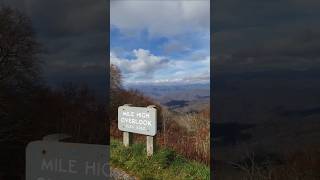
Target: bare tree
(19, 68)
(115, 78)
(18, 48)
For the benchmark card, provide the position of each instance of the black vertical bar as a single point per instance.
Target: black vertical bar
(108, 71)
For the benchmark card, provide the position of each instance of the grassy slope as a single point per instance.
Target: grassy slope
(164, 164)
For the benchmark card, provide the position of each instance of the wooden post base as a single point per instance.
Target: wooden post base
(150, 145)
(126, 139)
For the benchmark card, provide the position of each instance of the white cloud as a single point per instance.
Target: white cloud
(144, 62)
(151, 69)
(161, 17)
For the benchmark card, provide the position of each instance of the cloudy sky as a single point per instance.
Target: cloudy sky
(266, 35)
(161, 42)
(168, 41)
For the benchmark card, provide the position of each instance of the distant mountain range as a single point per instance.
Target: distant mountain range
(181, 98)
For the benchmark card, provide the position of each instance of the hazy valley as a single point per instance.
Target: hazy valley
(179, 98)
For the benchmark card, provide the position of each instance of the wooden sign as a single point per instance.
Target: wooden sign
(49, 160)
(140, 120)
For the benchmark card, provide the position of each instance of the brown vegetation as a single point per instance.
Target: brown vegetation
(194, 142)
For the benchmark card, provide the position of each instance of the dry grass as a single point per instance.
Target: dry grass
(188, 134)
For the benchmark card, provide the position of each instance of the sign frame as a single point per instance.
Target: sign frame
(139, 120)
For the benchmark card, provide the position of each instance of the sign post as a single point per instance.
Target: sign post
(140, 120)
(150, 145)
(126, 139)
